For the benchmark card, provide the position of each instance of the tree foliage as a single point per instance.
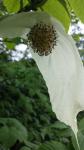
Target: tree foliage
(27, 120)
(24, 98)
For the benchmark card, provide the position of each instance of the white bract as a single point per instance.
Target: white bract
(62, 69)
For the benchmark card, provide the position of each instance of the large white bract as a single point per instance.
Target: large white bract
(62, 69)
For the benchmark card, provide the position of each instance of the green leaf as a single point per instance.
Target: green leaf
(24, 102)
(81, 125)
(57, 9)
(78, 7)
(12, 5)
(2, 147)
(25, 148)
(53, 145)
(11, 130)
(10, 45)
(81, 133)
(81, 140)
(59, 125)
(25, 2)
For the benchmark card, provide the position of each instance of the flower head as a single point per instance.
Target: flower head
(42, 38)
(61, 68)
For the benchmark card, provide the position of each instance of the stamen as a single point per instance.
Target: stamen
(42, 38)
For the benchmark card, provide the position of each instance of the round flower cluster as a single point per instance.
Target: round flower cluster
(42, 38)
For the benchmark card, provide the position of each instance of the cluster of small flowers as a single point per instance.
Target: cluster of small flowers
(42, 38)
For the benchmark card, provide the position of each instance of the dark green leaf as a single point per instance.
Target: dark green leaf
(11, 131)
(52, 146)
(25, 148)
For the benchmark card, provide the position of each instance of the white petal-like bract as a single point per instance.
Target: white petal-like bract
(64, 75)
(20, 24)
